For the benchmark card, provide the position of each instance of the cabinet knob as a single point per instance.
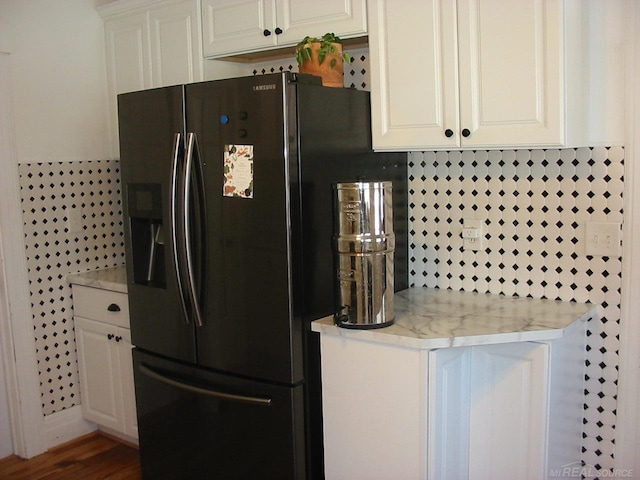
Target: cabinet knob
(278, 30)
(448, 133)
(114, 307)
(118, 338)
(466, 132)
(110, 336)
(266, 32)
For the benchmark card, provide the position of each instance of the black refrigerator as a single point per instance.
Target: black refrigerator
(228, 205)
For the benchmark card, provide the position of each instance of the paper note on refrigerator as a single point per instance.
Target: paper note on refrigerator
(238, 171)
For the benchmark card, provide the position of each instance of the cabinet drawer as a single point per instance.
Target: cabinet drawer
(101, 305)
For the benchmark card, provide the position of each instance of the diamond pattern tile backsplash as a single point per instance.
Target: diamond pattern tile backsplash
(533, 204)
(50, 193)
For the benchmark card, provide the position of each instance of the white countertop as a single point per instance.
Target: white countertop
(433, 318)
(114, 278)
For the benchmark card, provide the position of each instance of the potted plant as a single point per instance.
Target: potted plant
(323, 57)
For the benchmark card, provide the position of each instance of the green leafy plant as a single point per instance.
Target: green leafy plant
(327, 47)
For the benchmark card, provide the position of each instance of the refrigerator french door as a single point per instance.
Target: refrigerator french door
(228, 237)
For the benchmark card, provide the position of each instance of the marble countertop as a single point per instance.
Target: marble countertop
(433, 318)
(114, 278)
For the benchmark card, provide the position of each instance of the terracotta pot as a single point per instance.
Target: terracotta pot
(331, 77)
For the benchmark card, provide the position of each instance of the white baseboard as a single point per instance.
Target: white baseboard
(65, 425)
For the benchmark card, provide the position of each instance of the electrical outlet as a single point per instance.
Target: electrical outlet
(602, 239)
(472, 234)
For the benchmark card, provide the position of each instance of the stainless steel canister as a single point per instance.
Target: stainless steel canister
(365, 245)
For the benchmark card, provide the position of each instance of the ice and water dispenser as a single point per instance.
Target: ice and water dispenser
(364, 250)
(147, 234)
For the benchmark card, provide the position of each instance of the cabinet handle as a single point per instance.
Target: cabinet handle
(114, 307)
(278, 30)
(266, 32)
(448, 133)
(110, 336)
(466, 132)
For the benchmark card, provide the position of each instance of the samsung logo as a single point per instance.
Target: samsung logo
(260, 88)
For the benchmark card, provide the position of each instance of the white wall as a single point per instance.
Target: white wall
(56, 111)
(58, 79)
(16, 325)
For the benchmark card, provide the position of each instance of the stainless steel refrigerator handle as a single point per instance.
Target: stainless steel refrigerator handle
(173, 206)
(265, 402)
(190, 278)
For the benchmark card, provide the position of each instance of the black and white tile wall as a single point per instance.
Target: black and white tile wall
(49, 192)
(534, 205)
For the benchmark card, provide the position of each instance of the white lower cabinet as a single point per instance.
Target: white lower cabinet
(488, 411)
(511, 410)
(373, 410)
(104, 361)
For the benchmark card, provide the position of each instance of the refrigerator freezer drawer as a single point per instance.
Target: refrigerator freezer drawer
(194, 423)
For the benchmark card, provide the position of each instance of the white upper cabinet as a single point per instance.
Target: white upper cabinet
(464, 73)
(127, 50)
(414, 92)
(232, 27)
(153, 46)
(150, 44)
(176, 45)
(510, 68)
(299, 18)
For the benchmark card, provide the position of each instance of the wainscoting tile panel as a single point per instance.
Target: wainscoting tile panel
(57, 245)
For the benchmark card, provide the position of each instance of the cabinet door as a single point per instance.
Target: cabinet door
(128, 62)
(414, 84)
(448, 407)
(231, 26)
(176, 44)
(128, 56)
(511, 72)
(297, 19)
(374, 410)
(509, 411)
(130, 420)
(99, 369)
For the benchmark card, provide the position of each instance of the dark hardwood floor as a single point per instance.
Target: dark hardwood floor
(90, 457)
